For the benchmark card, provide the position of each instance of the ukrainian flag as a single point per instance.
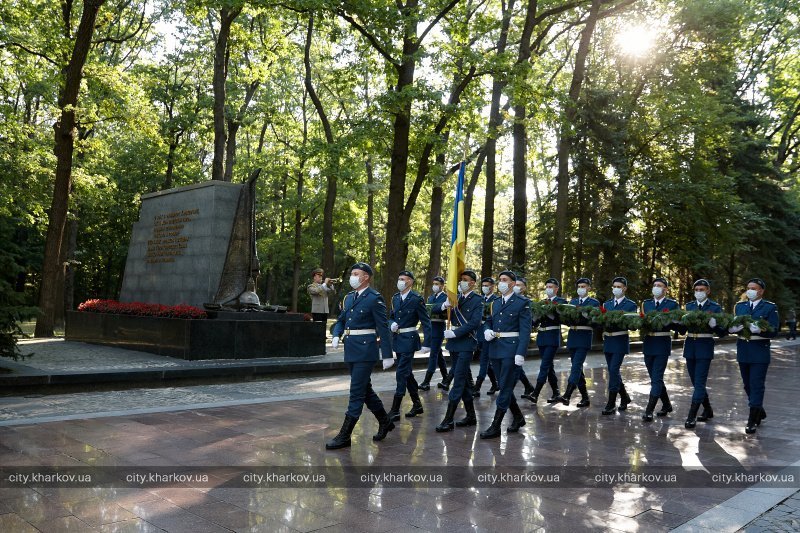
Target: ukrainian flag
(458, 241)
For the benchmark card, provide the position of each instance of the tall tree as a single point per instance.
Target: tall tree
(65, 131)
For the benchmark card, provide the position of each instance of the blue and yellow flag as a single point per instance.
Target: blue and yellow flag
(458, 241)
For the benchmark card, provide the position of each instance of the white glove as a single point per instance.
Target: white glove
(735, 329)
(394, 327)
(518, 360)
(425, 349)
(754, 329)
(335, 342)
(449, 334)
(446, 305)
(488, 335)
(388, 363)
(712, 322)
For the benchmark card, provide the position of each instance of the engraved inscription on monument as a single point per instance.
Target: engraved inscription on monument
(179, 244)
(168, 240)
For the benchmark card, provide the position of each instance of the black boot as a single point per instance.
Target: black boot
(519, 418)
(416, 405)
(385, 424)
(753, 420)
(611, 405)
(553, 381)
(447, 423)
(470, 419)
(445, 384)
(493, 380)
(394, 412)
(568, 394)
(648, 411)
(534, 395)
(342, 439)
(527, 384)
(477, 392)
(691, 418)
(666, 405)
(708, 412)
(426, 383)
(493, 431)
(584, 395)
(624, 399)
(762, 417)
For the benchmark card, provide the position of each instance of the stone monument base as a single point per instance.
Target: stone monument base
(214, 338)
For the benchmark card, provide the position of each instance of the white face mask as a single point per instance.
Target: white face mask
(436, 289)
(700, 295)
(549, 292)
(463, 286)
(401, 285)
(486, 290)
(517, 289)
(503, 286)
(582, 292)
(355, 281)
(752, 294)
(617, 291)
(658, 291)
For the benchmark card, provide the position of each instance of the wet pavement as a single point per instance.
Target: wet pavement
(283, 423)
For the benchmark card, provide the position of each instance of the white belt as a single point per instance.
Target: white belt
(660, 334)
(438, 320)
(406, 330)
(348, 332)
(614, 333)
(757, 338)
(699, 335)
(549, 328)
(581, 328)
(499, 335)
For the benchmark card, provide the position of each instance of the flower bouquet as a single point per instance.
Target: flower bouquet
(615, 320)
(572, 315)
(656, 321)
(542, 309)
(745, 321)
(697, 321)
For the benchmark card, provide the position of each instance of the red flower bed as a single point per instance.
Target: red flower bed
(141, 309)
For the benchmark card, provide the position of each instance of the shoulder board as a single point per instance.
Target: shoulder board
(395, 294)
(768, 302)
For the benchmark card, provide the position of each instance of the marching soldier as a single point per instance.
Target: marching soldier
(698, 350)
(548, 340)
(579, 342)
(753, 355)
(656, 347)
(465, 320)
(508, 332)
(434, 342)
(521, 288)
(489, 295)
(363, 323)
(616, 344)
(408, 310)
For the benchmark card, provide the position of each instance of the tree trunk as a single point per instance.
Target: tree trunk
(565, 143)
(396, 247)
(435, 222)
(173, 145)
(473, 182)
(332, 168)
(233, 128)
(520, 136)
(370, 213)
(227, 16)
(65, 130)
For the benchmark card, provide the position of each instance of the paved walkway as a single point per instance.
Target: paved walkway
(263, 426)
